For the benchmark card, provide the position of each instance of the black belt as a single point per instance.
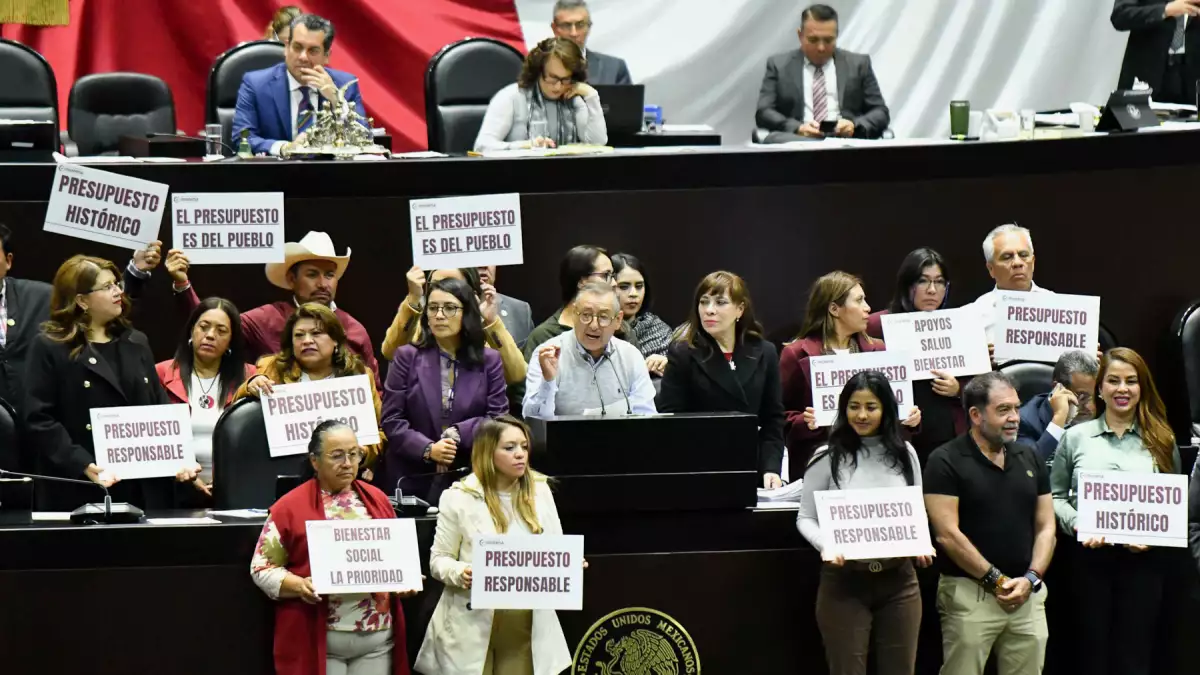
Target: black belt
(1176, 59)
(874, 566)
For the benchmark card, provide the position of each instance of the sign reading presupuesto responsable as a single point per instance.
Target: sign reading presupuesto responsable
(143, 441)
(466, 231)
(527, 572)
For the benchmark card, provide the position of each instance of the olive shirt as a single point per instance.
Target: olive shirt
(1093, 446)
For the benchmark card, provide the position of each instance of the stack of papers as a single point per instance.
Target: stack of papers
(788, 493)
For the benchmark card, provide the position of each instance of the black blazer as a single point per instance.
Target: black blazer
(28, 304)
(1150, 40)
(699, 380)
(61, 391)
(781, 97)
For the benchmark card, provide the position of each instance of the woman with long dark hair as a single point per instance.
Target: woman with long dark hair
(651, 334)
(581, 265)
(88, 355)
(1120, 587)
(439, 389)
(209, 366)
(720, 362)
(864, 605)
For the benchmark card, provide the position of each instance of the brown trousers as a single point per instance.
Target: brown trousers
(878, 612)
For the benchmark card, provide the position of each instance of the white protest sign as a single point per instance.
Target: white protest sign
(1041, 326)
(466, 231)
(947, 340)
(527, 572)
(229, 228)
(143, 441)
(830, 374)
(877, 523)
(1132, 508)
(294, 410)
(364, 556)
(105, 207)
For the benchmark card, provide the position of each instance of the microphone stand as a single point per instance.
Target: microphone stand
(108, 512)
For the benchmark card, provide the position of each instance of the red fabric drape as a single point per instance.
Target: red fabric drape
(386, 43)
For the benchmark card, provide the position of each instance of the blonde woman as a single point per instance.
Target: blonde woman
(501, 496)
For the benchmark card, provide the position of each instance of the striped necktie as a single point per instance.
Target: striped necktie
(1177, 39)
(820, 106)
(304, 107)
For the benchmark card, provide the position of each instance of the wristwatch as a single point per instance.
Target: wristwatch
(1035, 580)
(428, 454)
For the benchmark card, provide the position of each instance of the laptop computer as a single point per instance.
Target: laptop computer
(624, 105)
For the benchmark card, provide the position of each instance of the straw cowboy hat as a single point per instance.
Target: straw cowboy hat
(314, 246)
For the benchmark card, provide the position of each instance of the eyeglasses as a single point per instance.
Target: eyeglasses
(565, 81)
(604, 276)
(927, 284)
(108, 288)
(450, 311)
(602, 319)
(566, 26)
(339, 456)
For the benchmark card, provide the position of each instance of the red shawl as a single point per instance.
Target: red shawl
(300, 627)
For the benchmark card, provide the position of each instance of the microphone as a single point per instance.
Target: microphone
(108, 512)
(159, 134)
(417, 505)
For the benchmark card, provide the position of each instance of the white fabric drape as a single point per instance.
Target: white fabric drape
(703, 60)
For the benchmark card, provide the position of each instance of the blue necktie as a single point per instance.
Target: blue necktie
(305, 106)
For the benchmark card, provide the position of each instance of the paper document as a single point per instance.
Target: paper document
(687, 128)
(239, 513)
(182, 521)
(788, 493)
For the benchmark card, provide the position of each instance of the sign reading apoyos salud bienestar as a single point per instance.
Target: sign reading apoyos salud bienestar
(1041, 326)
(513, 571)
(235, 228)
(877, 523)
(143, 441)
(364, 556)
(294, 410)
(951, 341)
(830, 374)
(466, 231)
(105, 207)
(1132, 508)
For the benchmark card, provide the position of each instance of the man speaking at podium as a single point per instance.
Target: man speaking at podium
(272, 102)
(587, 371)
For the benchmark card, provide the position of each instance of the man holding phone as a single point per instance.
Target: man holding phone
(1046, 417)
(820, 90)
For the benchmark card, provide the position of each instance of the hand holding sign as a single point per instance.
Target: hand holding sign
(416, 285)
(489, 306)
(148, 258)
(177, 266)
(99, 476)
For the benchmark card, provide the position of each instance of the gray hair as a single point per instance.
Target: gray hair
(989, 242)
(1075, 361)
(316, 442)
(315, 23)
(600, 289)
(567, 5)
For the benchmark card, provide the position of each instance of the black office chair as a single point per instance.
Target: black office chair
(460, 81)
(225, 79)
(1032, 378)
(1107, 338)
(10, 451)
(244, 472)
(106, 106)
(1180, 371)
(28, 90)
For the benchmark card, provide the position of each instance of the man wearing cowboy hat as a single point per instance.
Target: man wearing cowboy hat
(311, 270)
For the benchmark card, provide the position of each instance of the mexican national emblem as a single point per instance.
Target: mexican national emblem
(636, 641)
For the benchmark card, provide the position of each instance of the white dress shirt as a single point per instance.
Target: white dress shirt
(294, 97)
(832, 110)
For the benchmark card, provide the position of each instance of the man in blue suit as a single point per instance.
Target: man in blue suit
(1045, 417)
(272, 101)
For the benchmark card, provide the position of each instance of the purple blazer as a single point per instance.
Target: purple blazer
(412, 409)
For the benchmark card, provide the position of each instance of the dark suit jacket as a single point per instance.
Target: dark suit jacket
(700, 380)
(412, 409)
(61, 391)
(28, 304)
(517, 318)
(605, 69)
(1035, 419)
(781, 99)
(1149, 41)
(265, 108)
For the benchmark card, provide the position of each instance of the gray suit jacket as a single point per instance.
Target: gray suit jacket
(517, 318)
(781, 99)
(605, 69)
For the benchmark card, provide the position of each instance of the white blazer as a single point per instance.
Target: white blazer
(456, 641)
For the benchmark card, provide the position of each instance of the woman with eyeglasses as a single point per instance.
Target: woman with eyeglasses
(337, 633)
(314, 347)
(923, 285)
(406, 327)
(720, 362)
(438, 390)
(582, 265)
(550, 105)
(87, 356)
